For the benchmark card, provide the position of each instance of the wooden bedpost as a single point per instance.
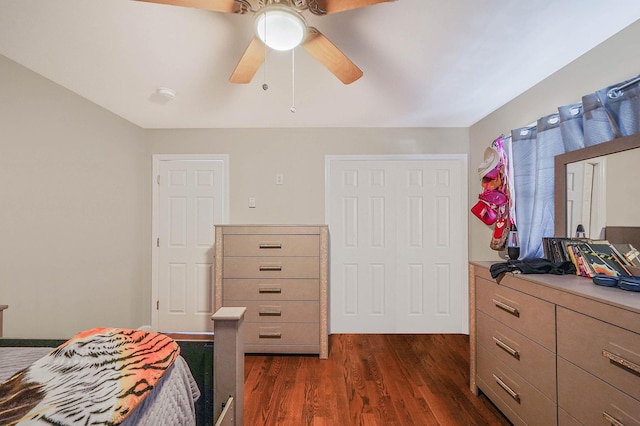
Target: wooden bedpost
(2, 308)
(228, 363)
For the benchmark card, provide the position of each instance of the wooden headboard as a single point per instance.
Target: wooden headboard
(623, 235)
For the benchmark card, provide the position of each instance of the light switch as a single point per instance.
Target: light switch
(252, 202)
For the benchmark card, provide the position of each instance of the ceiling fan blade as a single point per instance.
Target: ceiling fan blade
(226, 6)
(331, 57)
(335, 6)
(251, 60)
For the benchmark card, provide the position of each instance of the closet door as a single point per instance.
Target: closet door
(363, 251)
(398, 244)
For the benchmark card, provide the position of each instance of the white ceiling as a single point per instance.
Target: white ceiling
(426, 63)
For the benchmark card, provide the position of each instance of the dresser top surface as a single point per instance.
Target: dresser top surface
(271, 229)
(579, 286)
(254, 225)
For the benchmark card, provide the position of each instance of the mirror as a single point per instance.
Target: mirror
(615, 169)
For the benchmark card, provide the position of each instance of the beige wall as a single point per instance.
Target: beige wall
(622, 188)
(611, 62)
(73, 211)
(257, 155)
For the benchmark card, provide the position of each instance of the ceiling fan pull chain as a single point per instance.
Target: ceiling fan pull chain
(265, 85)
(293, 81)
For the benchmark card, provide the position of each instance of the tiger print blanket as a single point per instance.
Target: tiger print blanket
(98, 377)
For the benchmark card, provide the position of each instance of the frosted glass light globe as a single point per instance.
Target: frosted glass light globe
(280, 27)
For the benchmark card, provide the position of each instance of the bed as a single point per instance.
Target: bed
(101, 377)
(152, 378)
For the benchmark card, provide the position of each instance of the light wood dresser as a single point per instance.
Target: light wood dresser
(280, 273)
(555, 350)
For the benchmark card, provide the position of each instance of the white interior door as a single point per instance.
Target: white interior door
(191, 198)
(575, 193)
(398, 244)
(586, 197)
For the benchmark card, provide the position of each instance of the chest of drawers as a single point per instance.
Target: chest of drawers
(280, 273)
(516, 352)
(555, 350)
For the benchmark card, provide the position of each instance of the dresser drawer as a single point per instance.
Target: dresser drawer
(533, 362)
(526, 314)
(607, 351)
(271, 245)
(271, 289)
(275, 334)
(520, 396)
(591, 401)
(278, 311)
(565, 419)
(271, 267)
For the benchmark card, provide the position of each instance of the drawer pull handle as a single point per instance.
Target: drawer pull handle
(271, 267)
(608, 417)
(513, 311)
(270, 245)
(270, 335)
(507, 389)
(508, 349)
(621, 362)
(270, 313)
(270, 290)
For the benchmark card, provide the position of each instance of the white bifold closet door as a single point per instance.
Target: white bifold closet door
(398, 227)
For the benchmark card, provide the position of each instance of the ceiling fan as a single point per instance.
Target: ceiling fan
(279, 24)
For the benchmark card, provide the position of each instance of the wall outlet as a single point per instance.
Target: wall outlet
(279, 179)
(252, 202)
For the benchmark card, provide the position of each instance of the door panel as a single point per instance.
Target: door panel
(361, 240)
(398, 245)
(190, 200)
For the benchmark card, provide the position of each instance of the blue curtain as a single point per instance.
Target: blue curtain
(523, 170)
(622, 103)
(533, 151)
(548, 145)
(596, 122)
(571, 127)
(606, 114)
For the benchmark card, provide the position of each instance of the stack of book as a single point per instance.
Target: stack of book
(590, 257)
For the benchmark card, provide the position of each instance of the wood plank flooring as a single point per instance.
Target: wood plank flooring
(368, 380)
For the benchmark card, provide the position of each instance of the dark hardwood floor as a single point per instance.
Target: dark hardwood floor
(368, 380)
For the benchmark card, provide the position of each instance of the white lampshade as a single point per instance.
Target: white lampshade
(280, 27)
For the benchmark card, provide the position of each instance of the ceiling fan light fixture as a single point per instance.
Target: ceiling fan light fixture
(280, 27)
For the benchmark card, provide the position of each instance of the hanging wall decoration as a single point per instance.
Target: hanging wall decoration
(493, 203)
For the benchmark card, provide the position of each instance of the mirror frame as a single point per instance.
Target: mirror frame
(560, 172)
